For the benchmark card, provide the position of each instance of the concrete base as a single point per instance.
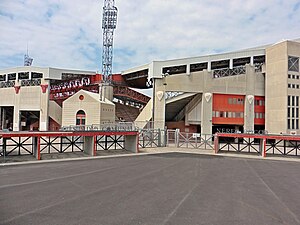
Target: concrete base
(131, 143)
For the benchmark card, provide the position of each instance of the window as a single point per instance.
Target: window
(240, 101)
(12, 76)
(293, 112)
(289, 76)
(230, 101)
(23, 75)
(293, 76)
(2, 77)
(293, 63)
(261, 102)
(80, 117)
(35, 75)
(289, 85)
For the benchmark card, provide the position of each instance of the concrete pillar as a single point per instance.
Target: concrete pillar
(44, 110)
(159, 103)
(106, 91)
(3, 118)
(249, 113)
(36, 144)
(230, 63)
(249, 99)
(131, 143)
(252, 60)
(16, 117)
(206, 113)
(88, 145)
(188, 69)
(208, 66)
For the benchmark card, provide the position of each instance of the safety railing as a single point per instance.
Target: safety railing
(178, 139)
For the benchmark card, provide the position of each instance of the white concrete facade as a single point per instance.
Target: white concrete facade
(263, 71)
(27, 89)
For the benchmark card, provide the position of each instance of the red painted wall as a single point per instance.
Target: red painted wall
(228, 111)
(259, 110)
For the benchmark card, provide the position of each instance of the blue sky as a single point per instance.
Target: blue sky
(68, 34)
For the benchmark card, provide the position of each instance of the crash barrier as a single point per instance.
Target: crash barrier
(89, 142)
(265, 144)
(178, 139)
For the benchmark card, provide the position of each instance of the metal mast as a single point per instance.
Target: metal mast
(109, 22)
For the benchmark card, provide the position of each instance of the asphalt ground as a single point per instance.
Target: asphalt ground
(169, 188)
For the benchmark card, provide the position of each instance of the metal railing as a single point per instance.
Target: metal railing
(105, 126)
(178, 139)
(238, 70)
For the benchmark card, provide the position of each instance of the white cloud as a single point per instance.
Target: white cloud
(68, 34)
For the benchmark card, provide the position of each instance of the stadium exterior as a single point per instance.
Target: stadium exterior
(252, 90)
(249, 90)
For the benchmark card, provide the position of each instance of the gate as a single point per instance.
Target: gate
(151, 138)
(178, 139)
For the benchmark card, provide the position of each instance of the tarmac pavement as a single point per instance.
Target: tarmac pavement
(165, 188)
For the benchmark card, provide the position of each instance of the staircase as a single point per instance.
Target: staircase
(145, 116)
(55, 112)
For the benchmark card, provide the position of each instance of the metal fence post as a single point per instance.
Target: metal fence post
(159, 137)
(177, 138)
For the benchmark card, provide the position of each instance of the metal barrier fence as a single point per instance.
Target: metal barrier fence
(178, 139)
(88, 142)
(276, 145)
(149, 138)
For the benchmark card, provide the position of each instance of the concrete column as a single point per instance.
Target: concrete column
(106, 91)
(208, 66)
(44, 111)
(188, 69)
(252, 60)
(206, 113)
(36, 143)
(88, 145)
(230, 63)
(131, 143)
(249, 113)
(159, 103)
(16, 117)
(249, 99)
